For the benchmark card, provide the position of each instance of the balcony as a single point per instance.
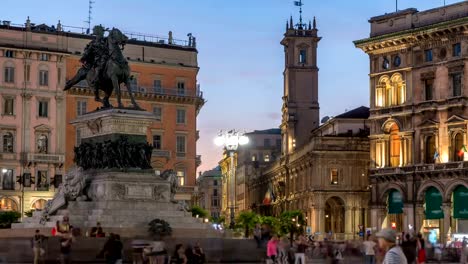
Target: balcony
(45, 158)
(159, 153)
(420, 169)
(7, 156)
(180, 155)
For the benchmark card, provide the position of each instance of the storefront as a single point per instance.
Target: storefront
(460, 210)
(394, 210)
(434, 215)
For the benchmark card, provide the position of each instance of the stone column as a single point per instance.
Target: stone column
(419, 217)
(401, 151)
(409, 151)
(348, 221)
(321, 221)
(445, 223)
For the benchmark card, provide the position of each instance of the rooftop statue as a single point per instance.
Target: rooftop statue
(104, 67)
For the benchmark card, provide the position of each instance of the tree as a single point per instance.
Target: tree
(217, 220)
(29, 213)
(8, 217)
(292, 222)
(159, 228)
(272, 222)
(247, 220)
(197, 210)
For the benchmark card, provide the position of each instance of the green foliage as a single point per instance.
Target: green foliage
(247, 220)
(291, 222)
(6, 218)
(218, 220)
(197, 210)
(159, 228)
(29, 213)
(271, 222)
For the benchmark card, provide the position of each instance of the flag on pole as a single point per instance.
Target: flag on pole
(267, 199)
(462, 151)
(436, 155)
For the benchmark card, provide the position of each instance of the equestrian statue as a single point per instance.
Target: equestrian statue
(104, 67)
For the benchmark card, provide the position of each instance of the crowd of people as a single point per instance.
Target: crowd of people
(385, 247)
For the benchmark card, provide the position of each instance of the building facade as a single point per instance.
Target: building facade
(418, 120)
(326, 178)
(263, 148)
(36, 146)
(210, 192)
(32, 152)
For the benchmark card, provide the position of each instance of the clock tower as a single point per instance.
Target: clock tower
(300, 111)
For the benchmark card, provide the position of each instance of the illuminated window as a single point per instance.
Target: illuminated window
(7, 179)
(8, 142)
(430, 149)
(334, 176)
(181, 177)
(7, 204)
(254, 157)
(458, 147)
(266, 158)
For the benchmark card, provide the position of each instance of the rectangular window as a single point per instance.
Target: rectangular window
(78, 136)
(157, 111)
(215, 192)
(215, 202)
(81, 107)
(457, 84)
(27, 72)
(27, 179)
(57, 180)
(180, 88)
(428, 89)
(44, 57)
(254, 157)
(42, 181)
(302, 56)
(7, 179)
(157, 141)
(8, 142)
(456, 50)
(180, 116)
(9, 75)
(8, 106)
(157, 86)
(9, 54)
(266, 142)
(43, 109)
(428, 55)
(134, 84)
(215, 182)
(181, 177)
(180, 144)
(43, 78)
(334, 176)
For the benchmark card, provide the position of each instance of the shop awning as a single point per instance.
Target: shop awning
(460, 202)
(395, 202)
(433, 204)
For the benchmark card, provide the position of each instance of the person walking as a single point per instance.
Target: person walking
(299, 256)
(409, 249)
(369, 250)
(272, 249)
(393, 253)
(38, 247)
(179, 255)
(283, 245)
(421, 246)
(464, 250)
(257, 233)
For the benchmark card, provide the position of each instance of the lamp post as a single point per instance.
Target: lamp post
(231, 140)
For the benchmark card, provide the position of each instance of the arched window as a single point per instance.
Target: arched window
(458, 151)
(381, 92)
(8, 142)
(395, 145)
(39, 204)
(7, 204)
(430, 149)
(399, 89)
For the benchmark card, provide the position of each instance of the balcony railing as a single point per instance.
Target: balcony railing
(46, 158)
(420, 168)
(161, 153)
(7, 156)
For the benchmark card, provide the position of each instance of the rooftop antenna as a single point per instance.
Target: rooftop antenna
(90, 8)
(299, 4)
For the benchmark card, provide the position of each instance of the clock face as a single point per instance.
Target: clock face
(397, 61)
(385, 64)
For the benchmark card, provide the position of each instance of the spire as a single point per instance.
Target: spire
(310, 26)
(59, 26)
(315, 23)
(291, 23)
(287, 27)
(28, 24)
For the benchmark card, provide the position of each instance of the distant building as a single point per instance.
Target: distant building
(36, 139)
(209, 191)
(418, 120)
(263, 148)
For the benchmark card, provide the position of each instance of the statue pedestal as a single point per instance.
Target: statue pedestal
(116, 194)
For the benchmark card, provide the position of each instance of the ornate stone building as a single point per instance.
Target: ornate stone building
(326, 178)
(32, 145)
(209, 191)
(418, 119)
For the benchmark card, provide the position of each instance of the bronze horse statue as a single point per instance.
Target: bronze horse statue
(114, 72)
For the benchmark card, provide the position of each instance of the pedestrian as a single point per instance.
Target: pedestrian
(199, 255)
(369, 250)
(65, 248)
(283, 245)
(272, 249)
(464, 250)
(409, 249)
(156, 252)
(421, 247)
(97, 231)
(257, 233)
(38, 247)
(438, 252)
(112, 250)
(393, 253)
(179, 255)
(299, 256)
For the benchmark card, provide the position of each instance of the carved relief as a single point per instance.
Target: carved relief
(118, 191)
(95, 126)
(161, 193)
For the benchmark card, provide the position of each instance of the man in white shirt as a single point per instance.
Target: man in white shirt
(387, 241)
(369, 250)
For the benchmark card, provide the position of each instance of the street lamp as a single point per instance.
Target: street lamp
(231, 140)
